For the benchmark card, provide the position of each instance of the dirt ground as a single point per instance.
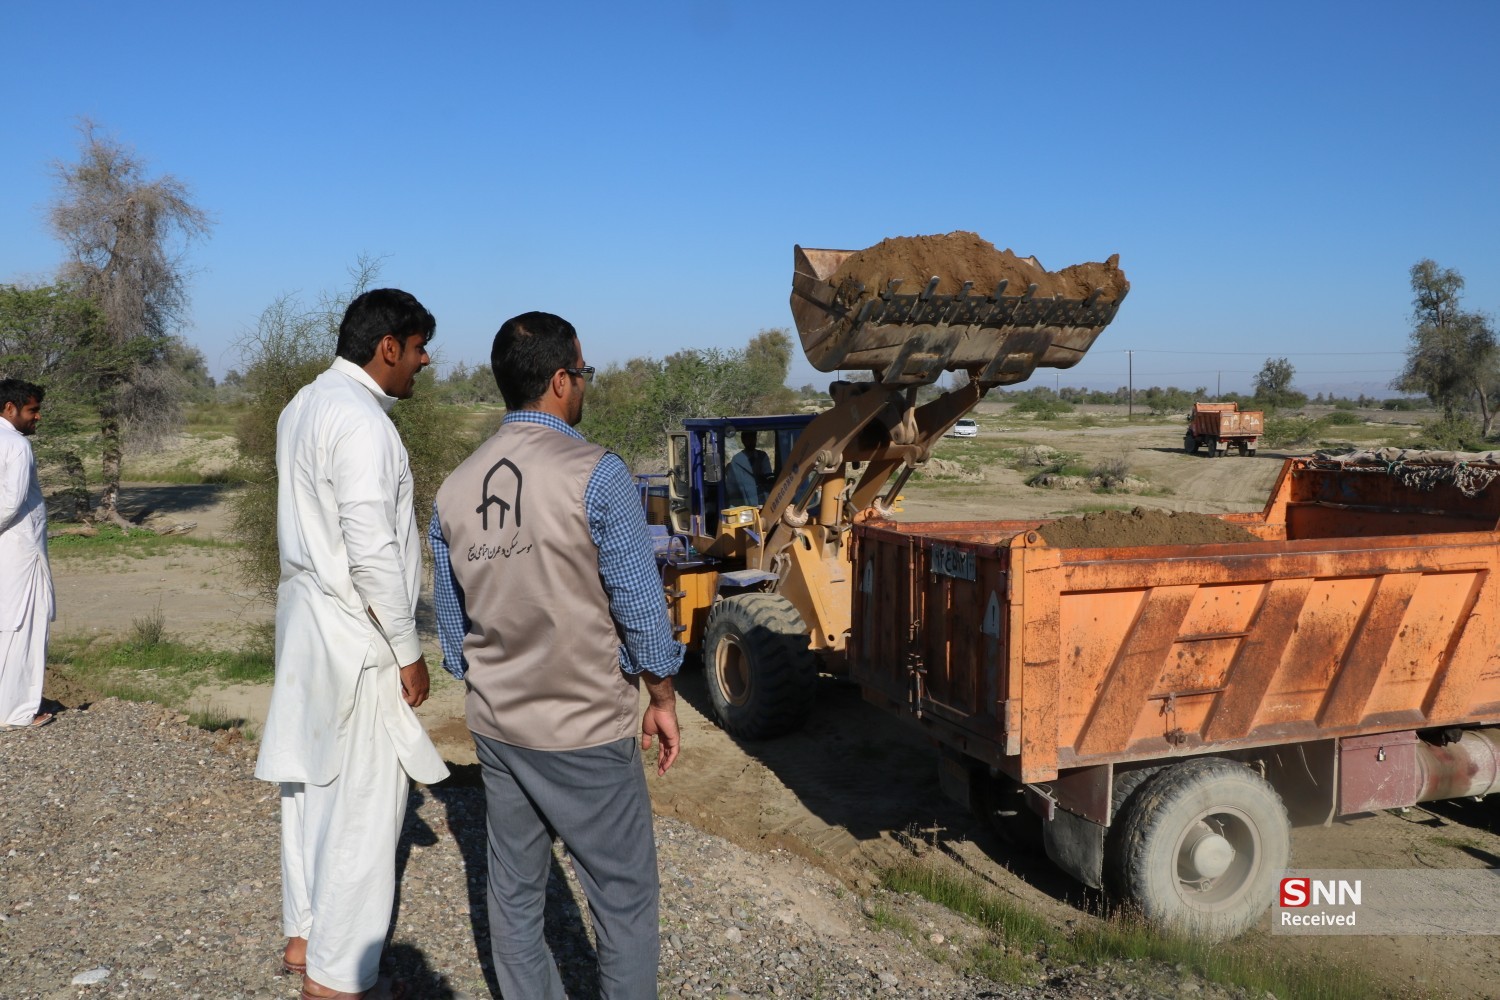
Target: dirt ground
(857, 790)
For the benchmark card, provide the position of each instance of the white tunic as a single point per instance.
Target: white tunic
(350, 576)
(27, 602)
(26, 583)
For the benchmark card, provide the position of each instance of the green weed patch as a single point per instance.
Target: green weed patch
(110, 540)
(1022, 941)
(165, 671)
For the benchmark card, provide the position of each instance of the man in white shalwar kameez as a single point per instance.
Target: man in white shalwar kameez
(341, 737)
(27, 603)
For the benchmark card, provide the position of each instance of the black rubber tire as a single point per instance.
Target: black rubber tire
(761, 675)
(1218, 803)
(1249, 452)
(1190, 444)
(1127, 783)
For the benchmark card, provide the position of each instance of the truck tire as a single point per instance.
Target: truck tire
(1190, 444)
(761, 674)
(1200, 847)
(1125, 786)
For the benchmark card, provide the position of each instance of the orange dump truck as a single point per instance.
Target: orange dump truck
(1170, 710)
(1221, 426)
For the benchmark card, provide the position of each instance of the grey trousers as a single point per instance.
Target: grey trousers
(595, 801)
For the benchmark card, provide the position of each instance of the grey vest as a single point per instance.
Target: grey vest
(542, 648)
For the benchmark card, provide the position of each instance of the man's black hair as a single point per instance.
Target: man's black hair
(18, 393)
(376, 313)
(527, 352)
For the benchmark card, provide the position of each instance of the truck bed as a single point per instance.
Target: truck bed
(1365, 603)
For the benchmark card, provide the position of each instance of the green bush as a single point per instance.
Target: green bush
(1342, 418)
(1459, 434)
(1041, 409)
(1290, 431)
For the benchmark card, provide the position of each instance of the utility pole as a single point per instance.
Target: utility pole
(1218, 385)
(1130, 386)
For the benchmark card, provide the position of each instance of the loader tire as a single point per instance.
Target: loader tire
(761, 674)
(1201, 845)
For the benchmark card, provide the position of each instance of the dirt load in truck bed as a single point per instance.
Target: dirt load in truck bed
(1119, 529)
(958, 257)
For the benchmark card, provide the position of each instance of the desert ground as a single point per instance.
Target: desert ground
(856, 790)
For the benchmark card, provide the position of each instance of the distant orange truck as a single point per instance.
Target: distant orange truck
(1170, 710)
(1220, 426)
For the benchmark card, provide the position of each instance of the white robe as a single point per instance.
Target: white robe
(350, 575)
(27, 600)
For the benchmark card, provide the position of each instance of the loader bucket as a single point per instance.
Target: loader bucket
(910, 335)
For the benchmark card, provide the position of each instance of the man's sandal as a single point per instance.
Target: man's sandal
(290, 968)
(384, 989)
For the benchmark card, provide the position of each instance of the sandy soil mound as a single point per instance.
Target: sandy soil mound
(958, 257)
(1118, 529)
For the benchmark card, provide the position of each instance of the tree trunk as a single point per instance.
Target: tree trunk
(109, 435)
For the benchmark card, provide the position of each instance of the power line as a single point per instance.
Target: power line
(1250, 354)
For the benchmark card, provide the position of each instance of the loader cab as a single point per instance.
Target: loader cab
(708, 474)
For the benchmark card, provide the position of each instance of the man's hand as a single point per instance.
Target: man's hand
(414, 682)
(660, 720)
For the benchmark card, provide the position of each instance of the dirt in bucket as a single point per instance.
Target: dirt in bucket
(962, 256)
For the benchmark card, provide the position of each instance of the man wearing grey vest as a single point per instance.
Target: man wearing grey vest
(550, 607)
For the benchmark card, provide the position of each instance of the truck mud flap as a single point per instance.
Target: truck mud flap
(1076, 845)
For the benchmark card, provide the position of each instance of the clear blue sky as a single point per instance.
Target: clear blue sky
(1267, 172)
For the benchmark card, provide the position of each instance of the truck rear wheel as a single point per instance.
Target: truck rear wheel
(761, 673)
(1190, 444)
(1200, 846)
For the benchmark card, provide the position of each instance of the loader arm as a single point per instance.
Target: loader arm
(771, 593)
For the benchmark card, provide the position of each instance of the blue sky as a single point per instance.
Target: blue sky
(1267, 172)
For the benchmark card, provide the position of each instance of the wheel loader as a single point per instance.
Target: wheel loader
(760, 584)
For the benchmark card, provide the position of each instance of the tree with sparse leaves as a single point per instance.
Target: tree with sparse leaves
(292, 344)
(1452, 356)
(630, 407)
(1273, 383)
(52, 336)
(125, 235)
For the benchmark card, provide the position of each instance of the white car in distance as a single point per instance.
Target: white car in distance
(965, 428)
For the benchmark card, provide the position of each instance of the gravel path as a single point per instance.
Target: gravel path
(138, 858)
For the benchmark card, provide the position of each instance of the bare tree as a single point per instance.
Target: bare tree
(125, 237)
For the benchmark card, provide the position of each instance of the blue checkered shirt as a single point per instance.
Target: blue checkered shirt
(627, 567)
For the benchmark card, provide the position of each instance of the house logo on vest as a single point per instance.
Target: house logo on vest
(502, 490)
(488, 494)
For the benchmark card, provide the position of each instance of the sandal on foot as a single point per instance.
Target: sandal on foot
(384, 989)
(290, 968)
